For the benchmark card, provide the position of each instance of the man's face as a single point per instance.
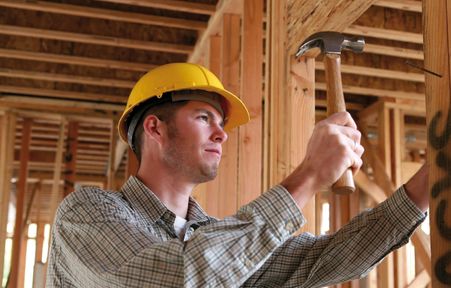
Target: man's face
(194, 144)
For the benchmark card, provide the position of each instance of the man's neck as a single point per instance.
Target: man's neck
(173, 193)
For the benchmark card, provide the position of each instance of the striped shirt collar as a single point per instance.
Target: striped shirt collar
(149, 206)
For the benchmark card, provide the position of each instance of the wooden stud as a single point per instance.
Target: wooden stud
(301, 111)
(250, 135)
(111, 172)
(230, 74)
(70, 157)
(437, 48)
(6, 158)
(277, 98)
(20, 203)
(213, 189)
(55, 193)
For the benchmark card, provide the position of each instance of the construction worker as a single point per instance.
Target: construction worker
(151, 233)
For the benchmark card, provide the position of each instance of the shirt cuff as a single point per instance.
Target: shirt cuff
(279, 211)
(403, 211)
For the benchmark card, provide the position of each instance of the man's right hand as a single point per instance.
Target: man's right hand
(333, 148)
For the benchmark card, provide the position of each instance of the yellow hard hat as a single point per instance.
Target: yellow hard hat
(182, 76)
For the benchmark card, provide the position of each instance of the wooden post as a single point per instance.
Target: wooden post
(230, 74)
(111, 173)
(20, 203)
(250, 135)
(212, 188)
(437, 49)
(385, 271)
(55, 194)
(8, 133)
(301, 110)
(70, 157)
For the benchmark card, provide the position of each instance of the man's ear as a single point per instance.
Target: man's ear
(153, 128)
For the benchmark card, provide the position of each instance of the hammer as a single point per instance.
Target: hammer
(331, 44)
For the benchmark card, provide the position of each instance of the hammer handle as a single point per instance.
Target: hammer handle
(336, 103)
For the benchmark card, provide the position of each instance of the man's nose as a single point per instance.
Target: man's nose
(219, 136)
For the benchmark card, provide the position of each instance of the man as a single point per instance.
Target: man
(153, 234)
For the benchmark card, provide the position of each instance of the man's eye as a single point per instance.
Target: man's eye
(203, 118)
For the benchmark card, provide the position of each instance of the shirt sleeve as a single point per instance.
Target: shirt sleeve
(308, 261)
(96, 244)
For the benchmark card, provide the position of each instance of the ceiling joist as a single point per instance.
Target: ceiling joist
(95, 39)
(174, 5)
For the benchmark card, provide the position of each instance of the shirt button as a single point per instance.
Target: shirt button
(289, 226)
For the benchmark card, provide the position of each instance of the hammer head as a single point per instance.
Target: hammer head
(331, 43)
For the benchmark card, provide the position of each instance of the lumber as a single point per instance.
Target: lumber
(437, 48)
(65, 78)
(301, 121)
(230, 74)
(17, 247)
(406, 5)
(388, 34)
(111, 172)
(212, 187)
(377, 72)
(6, 157)
(214, 27)
(309, 17)
(70, 157)
(75, 60)
(174, 5)
(250, 135)
(107, 14)
(95, 39)
(62, 94)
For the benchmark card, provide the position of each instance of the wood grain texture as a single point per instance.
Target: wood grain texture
(437, 48)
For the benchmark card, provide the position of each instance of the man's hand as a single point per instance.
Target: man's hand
(417, 188)
(333, 148)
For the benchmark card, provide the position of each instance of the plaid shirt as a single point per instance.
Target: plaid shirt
(127, 239)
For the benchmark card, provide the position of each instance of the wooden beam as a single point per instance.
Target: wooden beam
(75, 60)
(70, 157)
(108, 14)
(383, 93)
(421, 280)
(6, 157)
(17, 246)
(377, 72)
(95, 39)
(406, 5)
(250, 135)
(55, 195)
(214, 26)
(230, 74)
(65, 94)
(393, 51)
(371, 188)
(437, 49)
(111, 172)
(66, 78)
(180, 6)
(308, 17)
(387, 34)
